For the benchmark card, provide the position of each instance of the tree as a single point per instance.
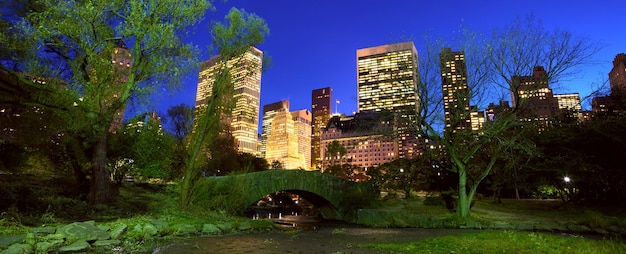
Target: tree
(232, 39)
(492, 62)
(95, 56)
(335, 151)
(179, 125)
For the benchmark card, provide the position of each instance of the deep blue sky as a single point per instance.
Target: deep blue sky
(313, 44)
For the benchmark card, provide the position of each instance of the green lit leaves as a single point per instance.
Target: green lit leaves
(240, 31)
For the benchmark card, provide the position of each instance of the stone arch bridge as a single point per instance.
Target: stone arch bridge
(327, 192)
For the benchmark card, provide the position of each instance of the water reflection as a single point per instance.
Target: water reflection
(287, 210)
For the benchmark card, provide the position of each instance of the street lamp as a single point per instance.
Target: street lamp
(567, 179)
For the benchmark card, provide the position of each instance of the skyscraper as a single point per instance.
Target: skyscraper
(321, 101)
(617, 76)
(570, 104)
(269, 111)
(288, 136)
(246, 76)
(122, 64)
(456, 97)
(387, 80)
(534, 99)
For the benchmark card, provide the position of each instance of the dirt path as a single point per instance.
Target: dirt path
(328, 239)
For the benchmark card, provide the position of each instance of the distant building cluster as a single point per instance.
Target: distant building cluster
(388, 100)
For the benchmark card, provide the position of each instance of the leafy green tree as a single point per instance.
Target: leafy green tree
(71, 45)
(232, 39)
(335, 151)
(179, 125)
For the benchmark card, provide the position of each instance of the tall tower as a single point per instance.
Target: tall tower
(617, 76)
(321, 101)
(387, 80)
(246, 76)
(269, 111)
(456, 97)
(289, 138)
(302, 129)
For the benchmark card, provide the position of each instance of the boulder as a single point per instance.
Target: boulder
(8, 240)
(18, 248)
(106, 243)
(149, 229)
(46, 247)
(244, 226)
(118, 231)
(82, 231)
(185, 229)
(210, 229)
(78, 246)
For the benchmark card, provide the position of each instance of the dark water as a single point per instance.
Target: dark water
(328, 238)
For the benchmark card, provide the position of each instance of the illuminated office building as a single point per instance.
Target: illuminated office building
(456, 97)
(269, 111)
(570, 104)
(363, 137)
(534, 99)
(289, 139)
(246, 75)
(321, 101)
(387, 80)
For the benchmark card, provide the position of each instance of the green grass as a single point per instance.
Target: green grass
(506, 242)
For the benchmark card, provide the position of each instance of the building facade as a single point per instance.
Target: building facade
(387, 79)
(321, 108)
(456, 97)
(269, 111)
(245, 72)
(289, 138)
(364, 138)
(569, 104)
(533, 98)
(617, 75)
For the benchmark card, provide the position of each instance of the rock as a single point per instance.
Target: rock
(185, 229)
(82, 231)
(8, 240)
(525, 226)
(18, 248)
(575, 228)
(149, 229)
(501, 225)
(472, 224)
(54, 237)
(225, 227)
(210, 229)
(106, 243)
(30, 239)
(118, 231)
(159, 224)
(601, 231)
(104, 227)
(244, 226)
(46, 247)
(42, 230)
(80, 245)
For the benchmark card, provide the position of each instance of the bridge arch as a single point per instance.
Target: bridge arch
(323, 190)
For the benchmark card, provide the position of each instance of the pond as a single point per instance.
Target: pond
(329, 237)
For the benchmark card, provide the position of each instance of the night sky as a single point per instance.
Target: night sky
(313, 44)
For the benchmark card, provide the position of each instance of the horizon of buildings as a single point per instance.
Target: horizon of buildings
(386, 83)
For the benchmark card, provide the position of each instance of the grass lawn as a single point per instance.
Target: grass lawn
(506, 242)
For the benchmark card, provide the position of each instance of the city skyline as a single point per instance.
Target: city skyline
(328, 34)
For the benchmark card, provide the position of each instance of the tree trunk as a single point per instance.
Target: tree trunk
(100, 192)
(463, 205)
